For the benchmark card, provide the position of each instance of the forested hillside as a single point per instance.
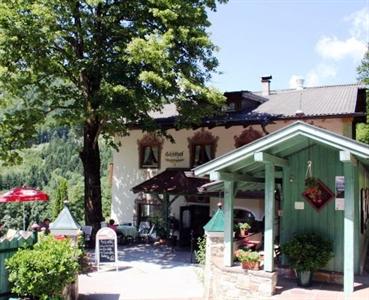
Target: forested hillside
(54, 167)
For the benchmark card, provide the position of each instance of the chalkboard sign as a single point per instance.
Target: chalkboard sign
(107, 251)
(106, 247)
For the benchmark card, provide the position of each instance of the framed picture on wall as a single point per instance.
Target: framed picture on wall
(318, 194)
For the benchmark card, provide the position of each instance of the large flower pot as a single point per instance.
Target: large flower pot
(304, 278)
(251, 265)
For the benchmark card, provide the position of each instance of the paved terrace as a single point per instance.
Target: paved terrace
(145, 272)
(155, 272)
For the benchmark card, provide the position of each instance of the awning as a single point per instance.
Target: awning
(172, 181)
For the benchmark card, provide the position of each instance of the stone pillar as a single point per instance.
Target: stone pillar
(214, 250)
(232, 283)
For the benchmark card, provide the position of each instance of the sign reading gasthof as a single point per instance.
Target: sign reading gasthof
(174, 156)
(106, 251)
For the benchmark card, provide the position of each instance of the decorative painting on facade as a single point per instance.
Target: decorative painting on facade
(246, 137)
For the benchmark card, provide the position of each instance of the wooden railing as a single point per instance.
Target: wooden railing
(9, 244)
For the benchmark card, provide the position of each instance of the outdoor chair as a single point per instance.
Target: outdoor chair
(147, 235)
(87, 231)
(254, 241)
(143, 226)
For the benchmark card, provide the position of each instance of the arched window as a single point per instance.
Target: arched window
(149, 150)
(202, 147)
(243, 216)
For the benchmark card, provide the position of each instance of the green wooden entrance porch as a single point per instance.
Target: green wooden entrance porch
(284, 154)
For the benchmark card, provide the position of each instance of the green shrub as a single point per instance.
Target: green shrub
(308, 251)
(200, 252)
(43, 272)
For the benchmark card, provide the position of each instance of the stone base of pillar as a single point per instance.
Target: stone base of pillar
(233, 282)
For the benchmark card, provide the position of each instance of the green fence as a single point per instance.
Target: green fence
(8, 246)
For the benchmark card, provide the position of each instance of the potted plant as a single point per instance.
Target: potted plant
(244, 227)
(306, 253)
(161, 229)
(250, 260)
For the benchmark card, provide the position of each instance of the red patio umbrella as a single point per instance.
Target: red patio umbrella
(23, 194)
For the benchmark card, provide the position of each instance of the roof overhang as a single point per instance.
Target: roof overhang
(281, 144)
(174, 181)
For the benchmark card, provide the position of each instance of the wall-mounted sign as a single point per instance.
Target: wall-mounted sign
(299, 205)
(340, 187)
(340, 192)
(106, 247)
(174, 156)
(340, 204)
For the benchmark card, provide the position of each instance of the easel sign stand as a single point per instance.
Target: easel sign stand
(106, 248)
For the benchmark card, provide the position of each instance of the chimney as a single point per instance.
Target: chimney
(265, 84)
(299, 83)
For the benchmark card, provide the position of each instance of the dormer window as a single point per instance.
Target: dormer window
(229, 107)
(149, 148)
(202, 148)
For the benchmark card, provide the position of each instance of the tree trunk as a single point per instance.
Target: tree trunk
(90, 156)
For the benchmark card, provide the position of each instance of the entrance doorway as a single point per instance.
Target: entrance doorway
(192, 220)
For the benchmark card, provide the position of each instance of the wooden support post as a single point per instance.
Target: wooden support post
(349, 230)
(269, 217)
(285, 192)
(229, 192)
(166, 211)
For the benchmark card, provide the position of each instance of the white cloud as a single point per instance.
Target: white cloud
(333, 48)
(315, 76)
(292, 83)
(320, 73)
(354, 46)
(359, 23)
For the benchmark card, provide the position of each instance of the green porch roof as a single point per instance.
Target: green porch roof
(216, 223)
(281, 143)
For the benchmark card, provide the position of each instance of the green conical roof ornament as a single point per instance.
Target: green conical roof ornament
(216, 223)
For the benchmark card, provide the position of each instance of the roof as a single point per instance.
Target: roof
(282, 143)
(335, 100)
(216, 223)
(313, 101)
(64, 221)
(172, 181)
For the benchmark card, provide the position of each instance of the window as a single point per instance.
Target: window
(149, 148)
(150, 157)
(202, 154)
(244, 216)
(202, 148)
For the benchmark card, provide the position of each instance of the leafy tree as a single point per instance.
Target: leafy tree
(362, 130)
(61, 195)
(101, 66)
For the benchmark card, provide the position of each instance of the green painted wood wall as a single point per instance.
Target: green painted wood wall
(327, 221)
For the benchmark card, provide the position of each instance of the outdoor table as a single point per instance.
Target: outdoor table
(127, 230)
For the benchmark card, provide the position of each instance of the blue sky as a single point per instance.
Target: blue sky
(322, 41)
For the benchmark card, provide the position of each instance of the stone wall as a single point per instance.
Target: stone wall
(233, 283)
